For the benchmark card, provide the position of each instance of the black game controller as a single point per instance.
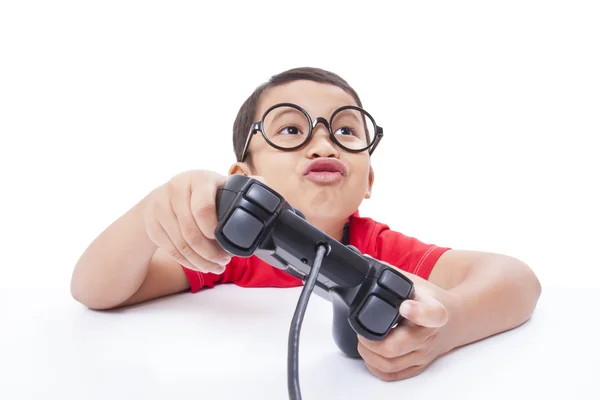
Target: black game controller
(366, 294)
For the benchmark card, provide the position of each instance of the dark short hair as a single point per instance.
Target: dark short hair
(247, 113)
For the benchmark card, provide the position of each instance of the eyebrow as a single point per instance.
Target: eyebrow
(279, 114)
(351, 112)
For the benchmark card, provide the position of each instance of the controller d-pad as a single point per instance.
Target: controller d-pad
(377, 315)
(395, 283)
(242, 229)
(263, 197)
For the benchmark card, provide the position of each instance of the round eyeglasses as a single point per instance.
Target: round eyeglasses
(288, 127)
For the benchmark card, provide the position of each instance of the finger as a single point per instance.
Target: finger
(400, 341)
(178, 248)
(191, 233)
(159, 236)
(425, 310)
(407, 373)
(203, 202)
(389, 365)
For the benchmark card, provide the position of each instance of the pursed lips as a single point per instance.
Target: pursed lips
(325, 170)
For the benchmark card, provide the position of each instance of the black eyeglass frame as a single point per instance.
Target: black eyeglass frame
(258, 127)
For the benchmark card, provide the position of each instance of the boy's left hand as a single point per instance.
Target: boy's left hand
(415, 342)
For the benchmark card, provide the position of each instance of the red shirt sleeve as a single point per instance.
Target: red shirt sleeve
(405, 252)
(244, 272)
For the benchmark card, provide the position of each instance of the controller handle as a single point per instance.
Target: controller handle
(366, 294)
(374, 309)
(344, 336)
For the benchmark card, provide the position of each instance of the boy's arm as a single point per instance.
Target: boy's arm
(489, 293)
(164, 277)
(469, 296)
(122, 266)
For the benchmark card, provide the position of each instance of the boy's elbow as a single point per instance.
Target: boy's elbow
(83, 293)
(535, 286)
(82, 296)
(530, 287)
(92, 302)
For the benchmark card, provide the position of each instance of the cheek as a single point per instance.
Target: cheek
(280, 173)
(361, 175)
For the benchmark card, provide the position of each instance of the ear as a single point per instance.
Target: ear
(240, 168)
(370, 184)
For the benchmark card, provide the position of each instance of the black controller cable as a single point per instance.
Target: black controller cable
(293, 341)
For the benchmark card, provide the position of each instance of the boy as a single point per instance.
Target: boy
(321, 165)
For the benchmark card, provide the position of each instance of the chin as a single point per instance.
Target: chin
(319, 208)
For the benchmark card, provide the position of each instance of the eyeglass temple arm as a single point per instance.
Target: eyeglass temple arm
(252, 131)
(378, 137)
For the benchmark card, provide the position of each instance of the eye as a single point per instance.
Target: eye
(290, 130)
(345, 131)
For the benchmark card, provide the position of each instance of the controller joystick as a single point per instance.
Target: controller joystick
(366, 294)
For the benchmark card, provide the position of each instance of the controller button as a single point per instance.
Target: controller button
(395, 283)
(242, 229)
(377, 315)
(263, 197)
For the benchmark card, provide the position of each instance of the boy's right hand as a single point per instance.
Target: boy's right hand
(181, 217)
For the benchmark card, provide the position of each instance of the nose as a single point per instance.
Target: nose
(320, 145)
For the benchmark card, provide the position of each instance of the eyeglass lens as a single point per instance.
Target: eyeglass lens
(288, 127)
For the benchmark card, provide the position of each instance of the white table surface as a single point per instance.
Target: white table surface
(231, 343)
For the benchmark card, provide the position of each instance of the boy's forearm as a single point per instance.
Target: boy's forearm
(495, 295)
(115, 264)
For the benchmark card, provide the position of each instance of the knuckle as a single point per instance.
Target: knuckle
(153, 235)
(361, 350)
(153, 205)
(200, 178)
(426, 352)
(176, 255)
(213, 253)
(384, 376)
(199, 173)
(150, 225)
(185, 249)
(205, 209)
(207, 251)
(418, 369)
(426, 355)
(430, 335)
(192, 235)
(388, 348)
(402, 339)
(171, 187)
(386, 366)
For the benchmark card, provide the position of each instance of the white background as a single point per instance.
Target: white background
(491, 113)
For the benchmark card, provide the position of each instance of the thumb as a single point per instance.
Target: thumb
(425, 310)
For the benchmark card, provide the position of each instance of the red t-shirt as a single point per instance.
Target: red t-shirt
(368, 236)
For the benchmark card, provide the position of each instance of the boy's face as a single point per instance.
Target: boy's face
(324, 197)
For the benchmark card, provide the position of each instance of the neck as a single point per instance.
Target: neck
(335, 228)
